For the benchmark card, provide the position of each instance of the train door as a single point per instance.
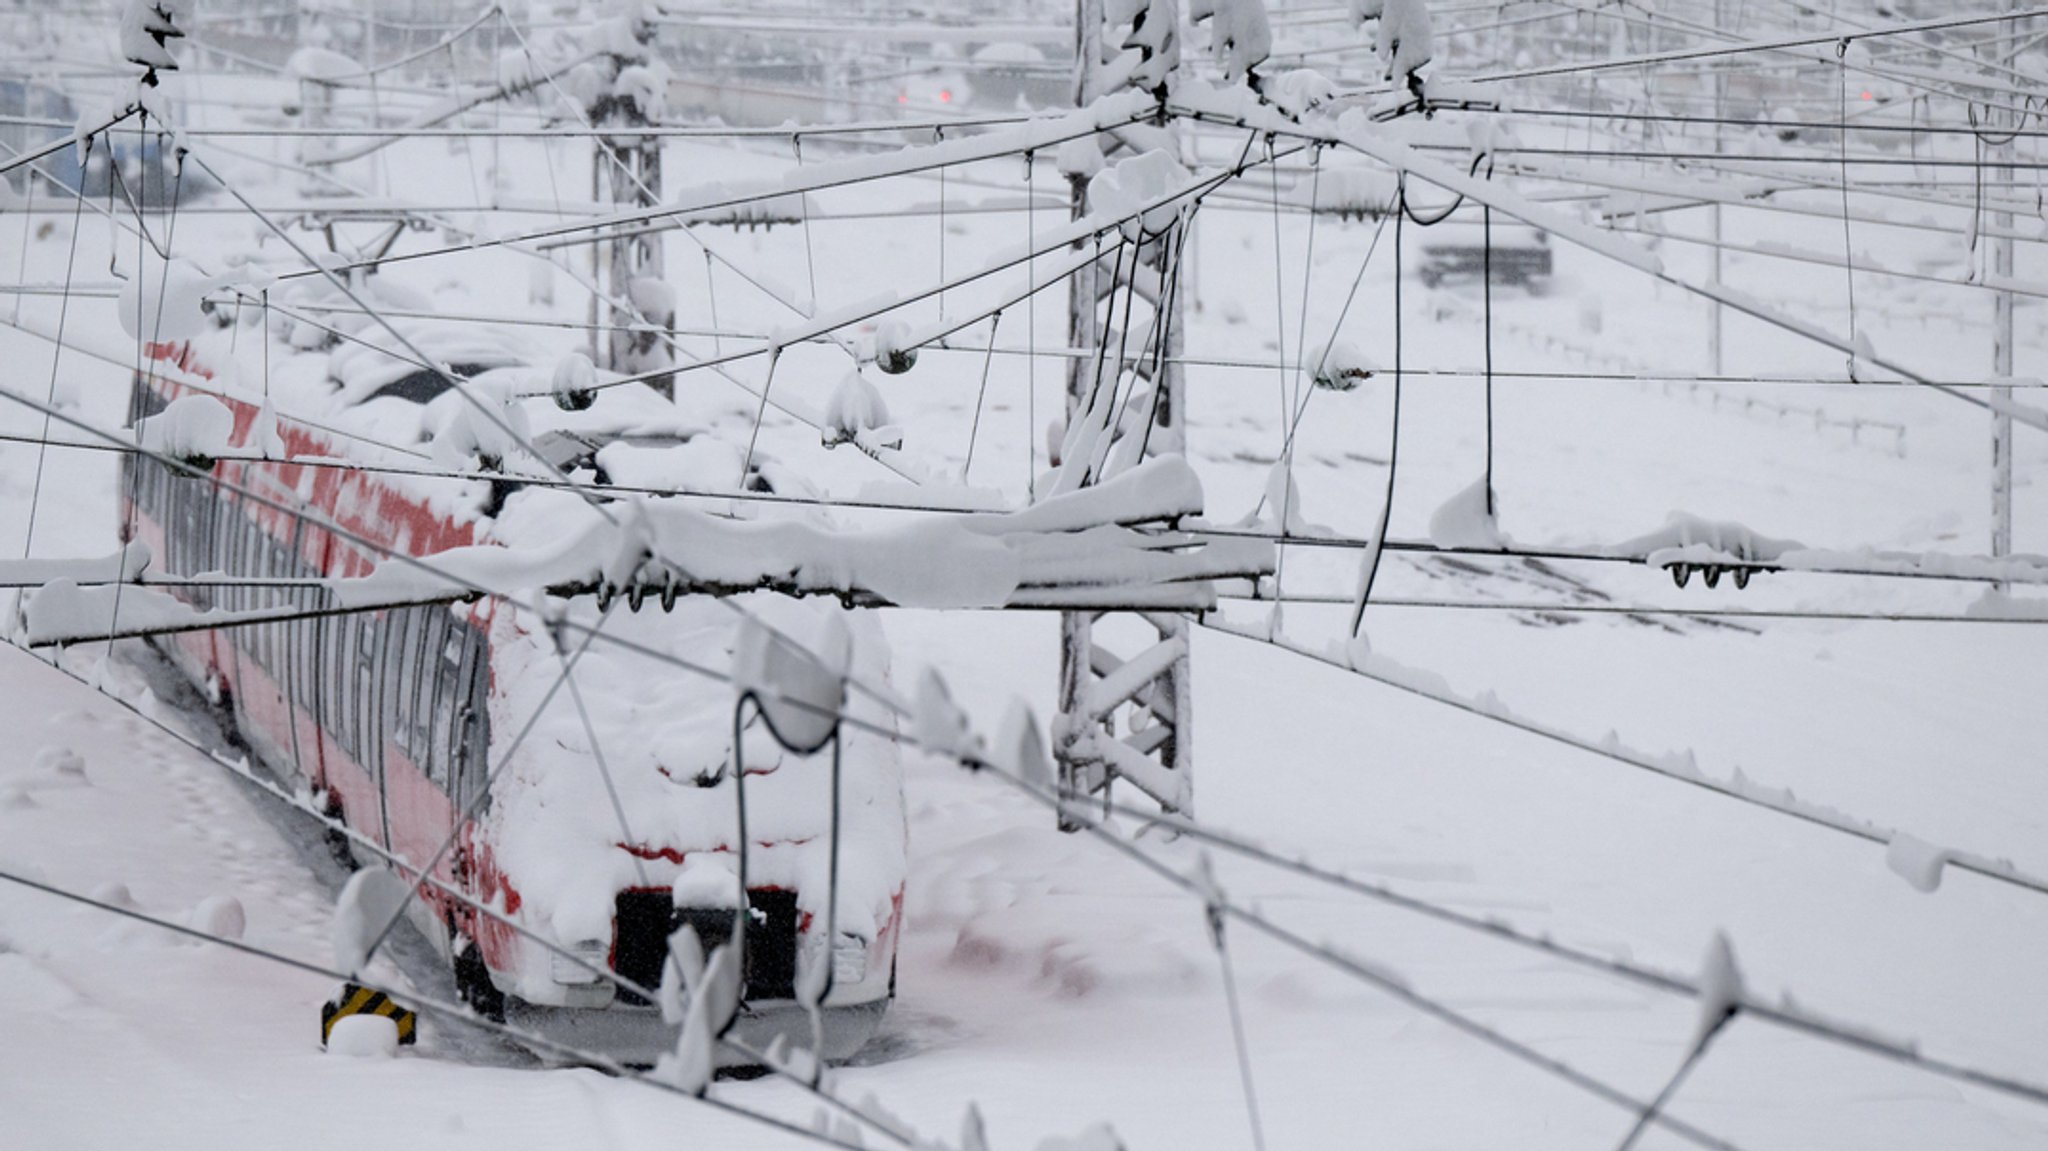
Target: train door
(440, 652)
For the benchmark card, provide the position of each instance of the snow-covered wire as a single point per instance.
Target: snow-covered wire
(1739, 788)
(1646, 611)
(1904, 1052)
(1355, 967)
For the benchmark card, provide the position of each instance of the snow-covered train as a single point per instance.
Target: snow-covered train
(611, 823)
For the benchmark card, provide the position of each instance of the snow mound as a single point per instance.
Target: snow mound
(1301, 91)
(164, 303)
(856, 406)
(1340, 366)
(61, 764)
(370, 899)
(574, 381)
(1720, 986)
(1405, 40)
(1132, 187)
(220, 916)
(1916, 861)
(193, 428)
(1239, 33)
(1464, 521)
(364, 1036)
(1101, 1137)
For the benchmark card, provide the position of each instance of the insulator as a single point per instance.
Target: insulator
(669, 588)
(1741, 575)
(635, 593)
(1681, 573)
(1712, 574)
(605, 592)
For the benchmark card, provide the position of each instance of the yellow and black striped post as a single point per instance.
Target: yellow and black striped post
(356, 1000)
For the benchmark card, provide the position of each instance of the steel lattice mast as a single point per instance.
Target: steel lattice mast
(1132, 665)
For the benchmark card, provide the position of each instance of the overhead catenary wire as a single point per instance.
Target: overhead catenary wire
(1736, 788)
(991, 349)
(1784, 1015)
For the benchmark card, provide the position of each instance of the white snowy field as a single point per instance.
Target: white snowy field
(1049, 981)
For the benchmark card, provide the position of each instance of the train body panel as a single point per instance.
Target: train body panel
(397, 718)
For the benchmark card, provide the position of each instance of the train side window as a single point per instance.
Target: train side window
(238, 597)
(425, 670)
(212, 536)
(460, 709)
(368, 684)
(411, 676)
(252, 567)
(340, 683)
(447, 685)
(298, 628)
(266, 634)
(398, 629)
(473, 743)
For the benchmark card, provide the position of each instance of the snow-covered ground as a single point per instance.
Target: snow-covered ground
(1044, 978)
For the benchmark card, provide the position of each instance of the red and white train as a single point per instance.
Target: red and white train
(611, 823)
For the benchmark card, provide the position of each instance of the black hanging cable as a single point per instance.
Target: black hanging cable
(739, 788)
(56, 354)
(1308, 264)
(1343, 313)
(1213, 914)
(1372, 558)
(988, 361)
(1081, 411)
(1170, 300)
(796, 145)
(1280, 285)
(1487, 259)
(938, 138)
(144, 372)
(1848, 248)
(1692, 1059)
(1123, 349)
(1031, 432)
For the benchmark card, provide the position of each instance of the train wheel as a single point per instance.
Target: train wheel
(221, 699)
(473, 984)
(337, 842)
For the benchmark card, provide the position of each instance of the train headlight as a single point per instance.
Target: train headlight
(579, 964)
(849, 959)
